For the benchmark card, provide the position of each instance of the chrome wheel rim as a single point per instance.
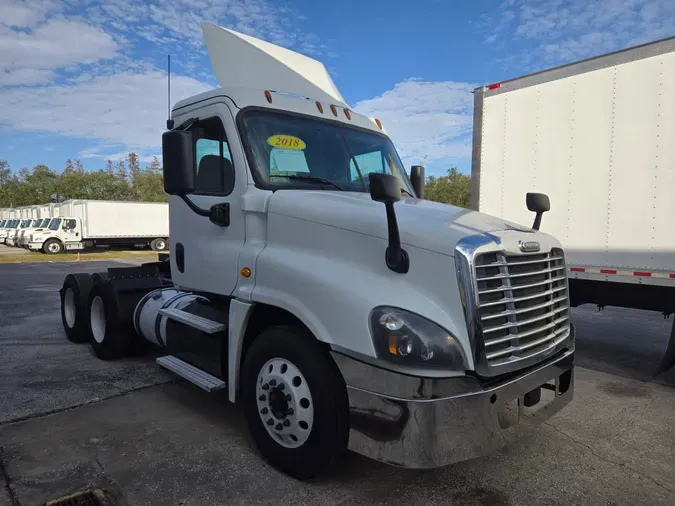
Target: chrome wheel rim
(98, 319)
(69, 309)
(53, 247)
(285, 403)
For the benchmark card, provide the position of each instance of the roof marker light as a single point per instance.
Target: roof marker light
(495, 86)
(378, 123)
(348, 114)
(332, 108)
(319, 106)
(268, 96)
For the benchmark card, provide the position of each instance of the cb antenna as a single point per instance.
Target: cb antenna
(169, 121)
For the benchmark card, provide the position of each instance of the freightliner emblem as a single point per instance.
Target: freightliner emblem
(528, 246)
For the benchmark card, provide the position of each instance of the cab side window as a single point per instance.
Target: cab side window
(213, 160)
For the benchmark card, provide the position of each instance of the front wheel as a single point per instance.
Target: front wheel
(295, 402)
(52, 246)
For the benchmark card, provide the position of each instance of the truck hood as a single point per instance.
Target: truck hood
(422, 223)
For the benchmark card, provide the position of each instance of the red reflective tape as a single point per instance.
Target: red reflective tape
(672, 276)
(495, 86)
(647, 274)
(607, 271)
(577, 269)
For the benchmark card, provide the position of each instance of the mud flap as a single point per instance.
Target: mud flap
(669, 358)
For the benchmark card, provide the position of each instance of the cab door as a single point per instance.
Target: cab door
(204, 252)
(71, 230)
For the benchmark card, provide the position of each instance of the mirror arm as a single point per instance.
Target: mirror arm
(395, 256)
(537, 221)
(194, 207)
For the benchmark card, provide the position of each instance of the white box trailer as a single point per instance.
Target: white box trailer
(48, 210)
(82, 224)
(596, 136)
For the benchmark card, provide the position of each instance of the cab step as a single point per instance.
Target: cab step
(202, 379)
(191, 320)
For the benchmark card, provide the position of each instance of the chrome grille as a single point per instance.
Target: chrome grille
(523, 304)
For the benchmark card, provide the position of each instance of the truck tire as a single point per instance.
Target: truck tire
(52, 246)
(295, 401)
(109, 338)
(159, 244)
(74, 299)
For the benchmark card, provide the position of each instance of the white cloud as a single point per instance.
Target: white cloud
(101, 152)
(432, 119)
(124, 109)
(55, 44)
(21, 13)
(568, 30)
(25, 76)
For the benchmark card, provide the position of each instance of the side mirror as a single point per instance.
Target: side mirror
(385, 188)
(417, 180)
(537, 203)
(178, 162)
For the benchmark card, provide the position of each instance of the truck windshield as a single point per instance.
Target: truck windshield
(2, 223)
(54, 225)
(25, 223)
(44, 223)
(35, 223)
(303, 152)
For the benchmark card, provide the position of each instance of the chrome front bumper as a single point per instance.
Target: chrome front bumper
(416, 422)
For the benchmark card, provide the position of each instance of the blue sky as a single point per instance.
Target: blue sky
(85, 79)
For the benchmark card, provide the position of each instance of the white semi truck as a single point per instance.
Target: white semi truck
(596, 136)
(309, 281)
(81, 224)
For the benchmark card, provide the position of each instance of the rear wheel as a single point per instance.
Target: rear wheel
(159, 244)
(295, 401)
(109, 338)
(74, 299)
(52, 246)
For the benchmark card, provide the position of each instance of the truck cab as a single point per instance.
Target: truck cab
(309, 279)
(53, 237)
(41, 225)
(13, 236)
(25, 232)
(4, 232)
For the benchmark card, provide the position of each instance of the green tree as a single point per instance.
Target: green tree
(454, 189)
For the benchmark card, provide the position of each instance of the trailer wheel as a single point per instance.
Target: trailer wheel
(109, 338)
(295, 402)
(74, 299)
(52, 246)
(159, 244)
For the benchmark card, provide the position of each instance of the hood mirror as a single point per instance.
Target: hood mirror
(386, 188)
(537, 203)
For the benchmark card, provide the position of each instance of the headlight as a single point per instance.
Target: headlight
(404, 338)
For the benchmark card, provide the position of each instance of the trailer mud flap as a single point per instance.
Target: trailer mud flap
(669, 358)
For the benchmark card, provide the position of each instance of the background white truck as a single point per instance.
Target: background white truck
(308, 281)
(597, 136)
(81, 224)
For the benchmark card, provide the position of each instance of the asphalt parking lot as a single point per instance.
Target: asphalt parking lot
(69, 421)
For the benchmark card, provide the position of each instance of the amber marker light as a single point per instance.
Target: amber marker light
(246, 272)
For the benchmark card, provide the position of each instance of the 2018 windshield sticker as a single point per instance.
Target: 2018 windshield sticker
(286, 142)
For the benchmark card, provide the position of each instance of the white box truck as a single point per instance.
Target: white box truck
(597, 137)
(308, 280)
(81, 224)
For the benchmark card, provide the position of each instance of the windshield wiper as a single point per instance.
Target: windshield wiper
(311, 179)
(403, 190)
